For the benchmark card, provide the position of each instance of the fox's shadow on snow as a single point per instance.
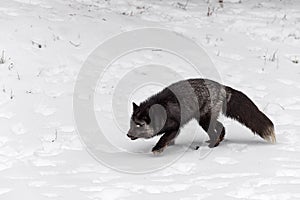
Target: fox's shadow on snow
(196, 145)
(244, 141)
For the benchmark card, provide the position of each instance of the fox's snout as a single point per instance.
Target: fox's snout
(130, 135)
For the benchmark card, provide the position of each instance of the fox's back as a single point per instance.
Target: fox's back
(195, 97)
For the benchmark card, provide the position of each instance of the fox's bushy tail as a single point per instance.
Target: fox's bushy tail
(242, 109)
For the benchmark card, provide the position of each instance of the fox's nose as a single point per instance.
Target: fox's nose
(131, 136)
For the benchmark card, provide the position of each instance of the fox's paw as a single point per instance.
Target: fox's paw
(221, 138)
(213, 144)
(158, 150)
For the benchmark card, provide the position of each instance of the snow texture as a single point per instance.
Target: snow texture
(253, 44)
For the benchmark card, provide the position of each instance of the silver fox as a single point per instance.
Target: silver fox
(204, 100)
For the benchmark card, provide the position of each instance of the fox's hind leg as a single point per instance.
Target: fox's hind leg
(214, 129)
(219, 131)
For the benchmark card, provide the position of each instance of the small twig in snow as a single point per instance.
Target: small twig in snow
(74, 44)
(10, 66)
(36, 43)
(210, 11)
(183, 6)
(265, 57)
(11, 94)
(55, 136)
(2, 59)
(221, 3)
(295, 60)
(18, 75)
(40, 72)
(284, 17)
(273, 57)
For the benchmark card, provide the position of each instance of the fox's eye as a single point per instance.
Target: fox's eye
(139, 125)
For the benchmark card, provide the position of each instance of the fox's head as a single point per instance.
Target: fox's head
(140, 123)
(146, 121)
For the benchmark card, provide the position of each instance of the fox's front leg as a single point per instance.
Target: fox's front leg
(165, 140)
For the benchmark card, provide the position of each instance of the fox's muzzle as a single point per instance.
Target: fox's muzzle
(131, 136)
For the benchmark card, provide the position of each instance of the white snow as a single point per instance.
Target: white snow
(253, 44)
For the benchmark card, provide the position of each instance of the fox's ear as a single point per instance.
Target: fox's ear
(134, 106)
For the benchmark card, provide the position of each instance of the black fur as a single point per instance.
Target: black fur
(242, 109)
(199, 99)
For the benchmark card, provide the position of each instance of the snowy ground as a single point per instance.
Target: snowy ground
(254, 45)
